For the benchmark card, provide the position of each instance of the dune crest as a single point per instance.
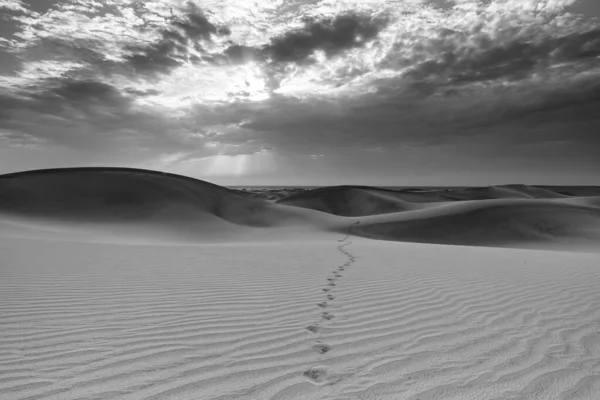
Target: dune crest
(493, 223)
(131, 205)
(351, 201)
(133, 202)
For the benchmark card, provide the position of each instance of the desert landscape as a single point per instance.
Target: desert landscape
(299, 200)
(132, 284)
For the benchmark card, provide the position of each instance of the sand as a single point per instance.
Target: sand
(166, 296)
(410, 321)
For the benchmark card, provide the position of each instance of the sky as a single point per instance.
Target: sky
(305, 92)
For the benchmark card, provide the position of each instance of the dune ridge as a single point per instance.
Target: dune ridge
(139, 206)
(130, 202)
(352, 201)
(505, 223)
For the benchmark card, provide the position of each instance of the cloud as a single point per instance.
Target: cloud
(94, 118)
(150, 79)
(459, 58)
(242, 54)
(183, 34)
(13, 5)
(159, 57)
(330, 35)
(139, 40)
(392, 116)
(141, 93)
(195, 25)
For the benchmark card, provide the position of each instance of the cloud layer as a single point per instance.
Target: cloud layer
(175, 82)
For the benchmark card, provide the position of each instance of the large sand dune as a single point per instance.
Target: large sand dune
(351, 201)
(363, 200)
(505, 223)
(138, 206)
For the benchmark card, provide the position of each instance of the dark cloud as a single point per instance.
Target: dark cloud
(240, 54)
(458, 58)
(195, 25)
(159, 57)
(173, 47)
(578, 46)
(575, 101)
(86, 91)
(48, 101)
(62, 99)
(332, 35)
(91, 117)
(141, 93)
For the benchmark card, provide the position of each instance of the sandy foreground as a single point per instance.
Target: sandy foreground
(130, 284)
(324, 319)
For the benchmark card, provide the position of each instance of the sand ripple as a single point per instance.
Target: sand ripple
(99, 321)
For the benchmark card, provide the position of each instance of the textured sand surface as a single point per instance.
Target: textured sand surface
(129, 284)
(342, 318)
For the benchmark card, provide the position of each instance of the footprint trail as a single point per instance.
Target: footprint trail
(319, 374)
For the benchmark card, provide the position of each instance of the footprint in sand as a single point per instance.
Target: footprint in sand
(323, 304)
(327, 316)
(330, 297)
(321, 375)
(314, 328)
(331, 284)
(321, 348)
(326, 290)
(316, 374)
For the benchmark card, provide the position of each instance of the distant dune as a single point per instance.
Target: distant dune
(363, 200)
(504, 223)
(351, 201)
(132, 205)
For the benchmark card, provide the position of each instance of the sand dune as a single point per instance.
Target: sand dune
(577, 191)
(505, 223)
(138, 205)
(351, 201)
(355, 201)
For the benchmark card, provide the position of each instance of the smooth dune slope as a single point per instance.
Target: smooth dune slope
(501, 192)
(137, 203)
(503, 223)
(576, 191)
(139, 206)
(350, 201)
(403, 321)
